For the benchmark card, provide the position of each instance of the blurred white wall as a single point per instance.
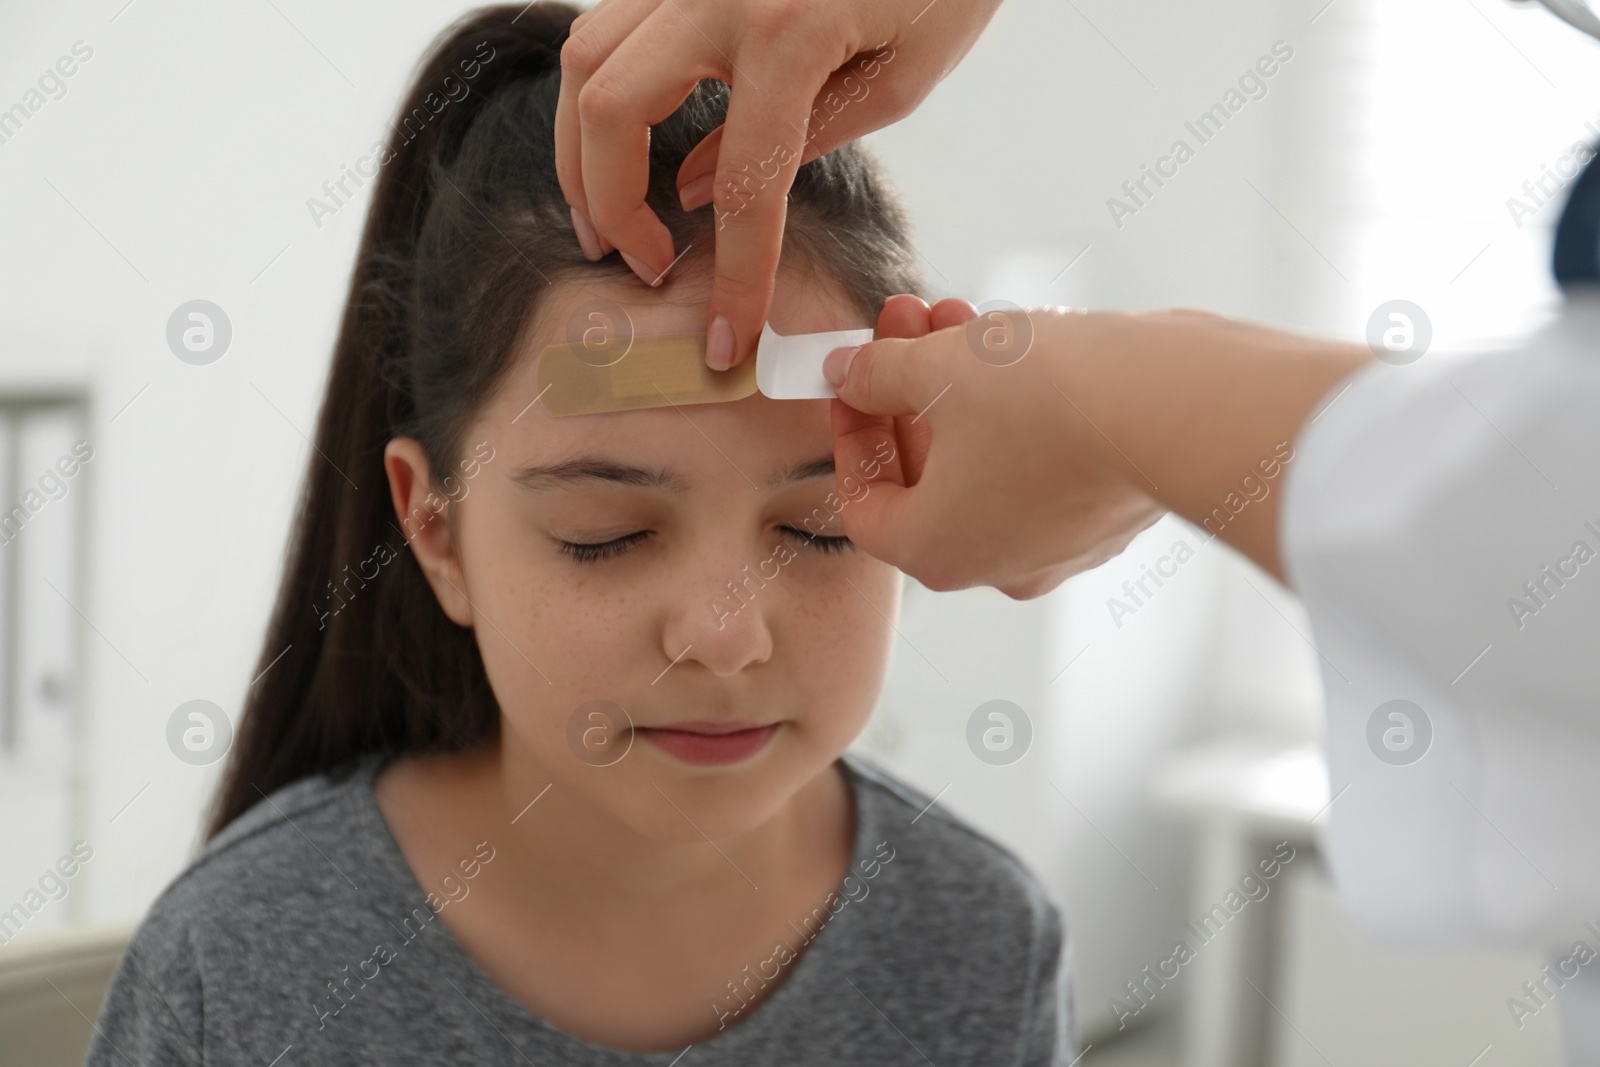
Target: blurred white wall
(178, 163)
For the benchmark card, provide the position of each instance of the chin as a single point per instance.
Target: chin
(674, 802)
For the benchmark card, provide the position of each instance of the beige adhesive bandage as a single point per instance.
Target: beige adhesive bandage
(670, 369)
(653, 372)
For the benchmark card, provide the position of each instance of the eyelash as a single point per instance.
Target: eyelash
(594, 553)
(826, 545)
(603, 550)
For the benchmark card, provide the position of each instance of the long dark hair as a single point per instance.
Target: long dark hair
(466, 229)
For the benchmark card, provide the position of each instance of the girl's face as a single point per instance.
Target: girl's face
(663, 634)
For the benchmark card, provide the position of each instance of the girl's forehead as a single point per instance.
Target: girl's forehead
(764, 430)
(741, 441)
(742, 438)
(803, 301)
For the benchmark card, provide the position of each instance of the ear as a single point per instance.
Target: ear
(425, 521)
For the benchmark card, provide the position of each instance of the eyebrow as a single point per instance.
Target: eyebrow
(592, 469)
(817, 468)
(597, 469)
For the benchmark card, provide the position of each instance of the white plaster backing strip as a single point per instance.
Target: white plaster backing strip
(790, 367)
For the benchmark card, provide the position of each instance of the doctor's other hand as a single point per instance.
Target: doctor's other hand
(1021, 472)
(806, 77)
(902, 316)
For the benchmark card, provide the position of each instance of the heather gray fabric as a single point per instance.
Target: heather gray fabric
(949, 953)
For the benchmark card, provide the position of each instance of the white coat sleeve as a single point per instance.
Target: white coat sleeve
(1442, 524)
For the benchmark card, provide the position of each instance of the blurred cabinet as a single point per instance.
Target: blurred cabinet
(1290, 982)
(1345, 999)
(46, 463)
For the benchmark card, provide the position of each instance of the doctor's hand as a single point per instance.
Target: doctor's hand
(1019, 473)
(909, 437)
(807, 76)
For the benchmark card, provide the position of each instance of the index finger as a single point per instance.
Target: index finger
(763, 141)
(865, 449)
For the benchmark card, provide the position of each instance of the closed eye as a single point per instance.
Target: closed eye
(595, 552)
(828, 545)
(600, 550)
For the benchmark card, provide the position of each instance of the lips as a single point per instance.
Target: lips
(706, 743)
(711, 727)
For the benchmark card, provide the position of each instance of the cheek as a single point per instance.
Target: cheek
(834, 642)
(551, 636)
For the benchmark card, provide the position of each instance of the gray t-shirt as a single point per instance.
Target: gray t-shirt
(300, 935)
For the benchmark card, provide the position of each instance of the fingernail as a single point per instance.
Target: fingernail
(606, 247)
(836, 368)
(642, 269)
(696, 194)
(719, 343)
(586, 236)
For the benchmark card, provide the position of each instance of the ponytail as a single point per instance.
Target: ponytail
(359, 656)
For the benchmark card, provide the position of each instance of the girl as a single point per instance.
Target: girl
(547, 762)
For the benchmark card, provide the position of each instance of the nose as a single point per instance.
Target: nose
(720, 619)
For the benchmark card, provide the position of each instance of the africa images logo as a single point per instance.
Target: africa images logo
(1399, 732)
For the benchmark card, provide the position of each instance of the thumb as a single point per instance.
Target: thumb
(892, 375)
